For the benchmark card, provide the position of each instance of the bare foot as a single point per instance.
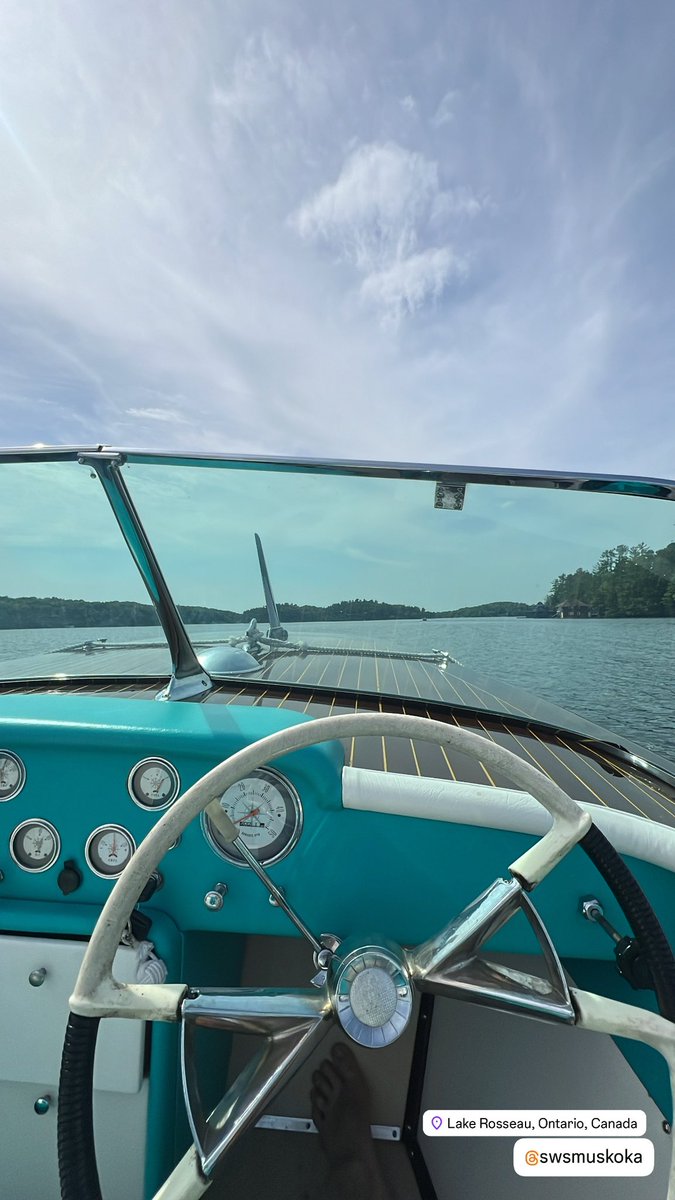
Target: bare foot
(341, 1113)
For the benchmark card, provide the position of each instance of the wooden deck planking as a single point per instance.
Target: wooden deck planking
(320, 684)
(115, 663)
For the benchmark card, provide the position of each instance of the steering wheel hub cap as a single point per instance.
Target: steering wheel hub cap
(372, 996)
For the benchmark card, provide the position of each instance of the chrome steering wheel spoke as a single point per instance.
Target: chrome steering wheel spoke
(292, 1022)
(450, 963)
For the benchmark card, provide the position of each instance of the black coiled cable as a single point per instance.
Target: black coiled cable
(639, 914)
(78, 1172)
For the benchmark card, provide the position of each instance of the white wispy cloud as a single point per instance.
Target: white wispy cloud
(158, 414)
(371, 213)
(445, 111)
(375, 216)
(410, 282)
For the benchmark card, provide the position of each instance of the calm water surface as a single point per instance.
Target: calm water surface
(616, 672)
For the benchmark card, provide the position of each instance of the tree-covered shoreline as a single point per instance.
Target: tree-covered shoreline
(627, 581)
(33, 612)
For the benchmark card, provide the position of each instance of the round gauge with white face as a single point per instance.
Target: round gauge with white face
(35, 845)
(267, 811)
(12, 775)
(154, 783)
(108, 850)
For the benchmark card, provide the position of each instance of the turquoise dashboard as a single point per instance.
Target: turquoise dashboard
(78, 754)
(350, 872)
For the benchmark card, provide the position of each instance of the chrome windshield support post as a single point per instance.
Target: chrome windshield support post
(188, 677)
(449, 964)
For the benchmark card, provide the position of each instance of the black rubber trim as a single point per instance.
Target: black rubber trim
(78, 1172)
(640, 915)
(413, 1103)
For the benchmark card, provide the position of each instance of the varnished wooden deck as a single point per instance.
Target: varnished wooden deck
(588, 769)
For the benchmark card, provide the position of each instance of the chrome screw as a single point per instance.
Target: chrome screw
(214, 899)
(37, 978)
(42, 1105)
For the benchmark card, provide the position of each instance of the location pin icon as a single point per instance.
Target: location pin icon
(436, 1122)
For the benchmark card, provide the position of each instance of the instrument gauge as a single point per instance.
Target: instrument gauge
(108, 850)
(35, 845)
(266, 809)
(12, 775)
(153, 783)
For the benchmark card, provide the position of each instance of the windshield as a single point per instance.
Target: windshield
(68, 575)
(556, 595)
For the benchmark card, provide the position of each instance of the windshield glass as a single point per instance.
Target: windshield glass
(522, 595)
(68, 576)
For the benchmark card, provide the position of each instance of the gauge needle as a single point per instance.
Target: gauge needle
(253, 813)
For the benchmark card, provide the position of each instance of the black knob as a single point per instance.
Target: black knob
(154, 882)
(69, 878)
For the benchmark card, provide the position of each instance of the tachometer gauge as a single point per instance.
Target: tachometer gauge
(108, 850)
(35, 845)
(154, 783)
(12, 775)
(267, 811)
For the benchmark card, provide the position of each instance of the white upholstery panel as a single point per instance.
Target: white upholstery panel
(497, 808)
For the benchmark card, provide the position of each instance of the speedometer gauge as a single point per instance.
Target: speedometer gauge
(267, 811)
(35, 845)
(154, 783)
(108, 850)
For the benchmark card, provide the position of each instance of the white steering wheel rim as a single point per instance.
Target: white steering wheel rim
(96, 994)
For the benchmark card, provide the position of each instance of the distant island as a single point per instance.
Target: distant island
(627, 581)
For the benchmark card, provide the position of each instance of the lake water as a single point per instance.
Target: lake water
(618, 673)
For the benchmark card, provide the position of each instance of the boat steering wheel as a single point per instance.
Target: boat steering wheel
(367, 988)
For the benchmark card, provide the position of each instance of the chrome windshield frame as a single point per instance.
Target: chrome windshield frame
(452, 475)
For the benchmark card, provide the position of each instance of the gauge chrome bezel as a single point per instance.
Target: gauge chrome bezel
(144, 763)
(57, 845)
(290, 795)
(110, 828)
(22, 775)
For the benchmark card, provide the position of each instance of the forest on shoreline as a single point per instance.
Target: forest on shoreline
(627, 581)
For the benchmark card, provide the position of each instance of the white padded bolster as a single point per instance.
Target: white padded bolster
(497, 808)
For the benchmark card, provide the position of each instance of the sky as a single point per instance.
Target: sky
(422, 232)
